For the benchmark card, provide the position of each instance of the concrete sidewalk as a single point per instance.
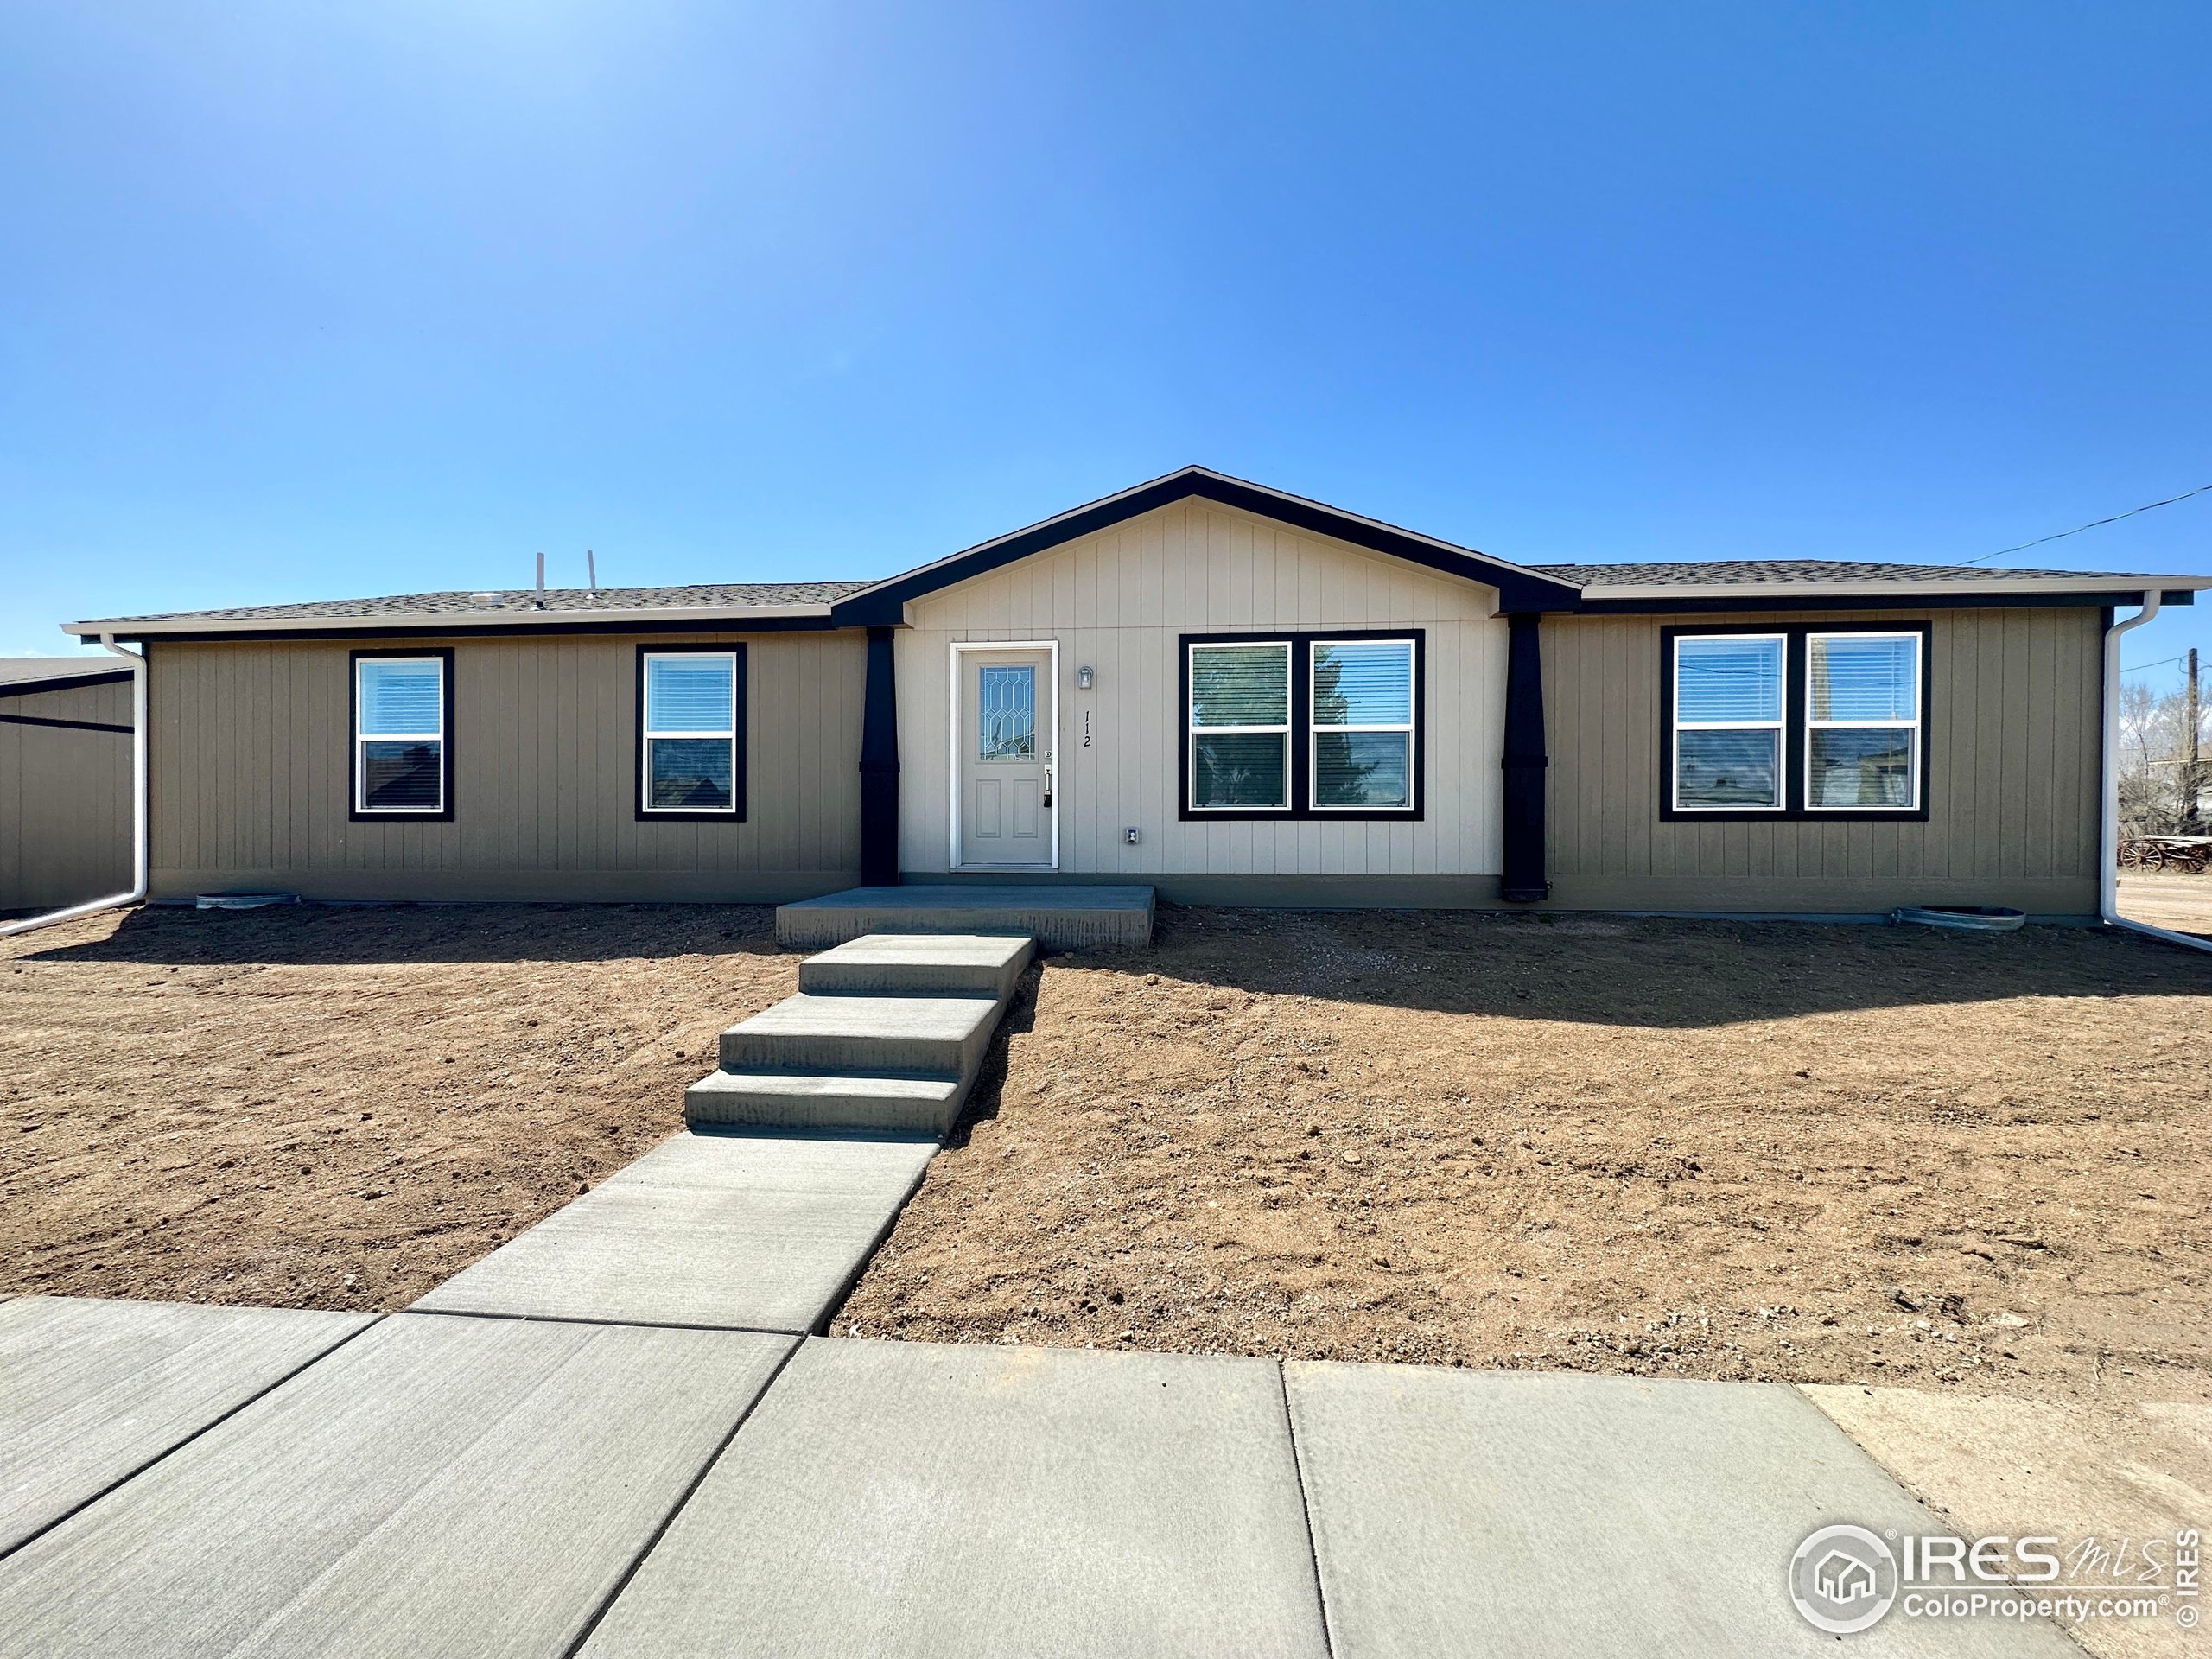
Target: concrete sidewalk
(452, 1485)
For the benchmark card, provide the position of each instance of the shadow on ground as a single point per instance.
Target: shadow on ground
(1591, 970)
(1626, 971)
(983, 1104)
(371, 935)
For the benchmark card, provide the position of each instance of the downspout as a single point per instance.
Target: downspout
(2108, 836)
(138, 661)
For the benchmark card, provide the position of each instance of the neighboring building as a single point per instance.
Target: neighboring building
(1235, 694)
(65, 780)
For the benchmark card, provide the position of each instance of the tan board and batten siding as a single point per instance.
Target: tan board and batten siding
(1118, 601)
(2014, 740)
(65, 797)
(250, 776)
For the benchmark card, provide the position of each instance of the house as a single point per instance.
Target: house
(65, 780)
(1234, 694)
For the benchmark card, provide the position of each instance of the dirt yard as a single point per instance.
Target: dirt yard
(1812, 1154)
(340, 1107)
(2167, 899)
(1831, 1154)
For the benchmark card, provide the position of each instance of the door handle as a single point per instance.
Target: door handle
(1048, 780)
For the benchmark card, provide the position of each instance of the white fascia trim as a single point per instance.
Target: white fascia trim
(437, 622)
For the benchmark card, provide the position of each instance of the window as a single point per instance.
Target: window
(1240, 725)
(1362, 723)
(1005, 719)
(1795, 721)
(402, 760)
(691, 713)
(1862, 721)
(1728, 722)
(1302, 725)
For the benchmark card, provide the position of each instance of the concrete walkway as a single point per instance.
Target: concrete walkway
(615, 1436)
(439, 1484)
(806, 1140)
(754, 1232)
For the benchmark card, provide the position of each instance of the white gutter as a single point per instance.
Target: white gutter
(137, 809)
(2108, 838)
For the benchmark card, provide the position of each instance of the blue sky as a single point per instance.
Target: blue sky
(311, 301)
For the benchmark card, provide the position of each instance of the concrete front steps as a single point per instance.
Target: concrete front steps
(1065, 917)
(886, 1032)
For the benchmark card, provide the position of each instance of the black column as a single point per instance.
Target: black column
(880, 766)
(1525, 761)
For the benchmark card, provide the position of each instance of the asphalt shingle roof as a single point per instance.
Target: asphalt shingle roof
(1738, 572)
(524, 602)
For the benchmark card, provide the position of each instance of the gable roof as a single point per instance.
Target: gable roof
(1743, 584)
(1520, 589)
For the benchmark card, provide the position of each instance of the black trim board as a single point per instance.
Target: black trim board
(1300, 810)
(1794, 810)
(1524, 762)
(353, 812)
(736, 813)
(65, 725)
(879, 763)
(1518, 589)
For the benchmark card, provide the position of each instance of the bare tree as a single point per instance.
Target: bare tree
(2154, 756)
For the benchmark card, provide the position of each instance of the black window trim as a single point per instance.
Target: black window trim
(734, 813)
(1301, 808)
(1794, 809)
(355, 813)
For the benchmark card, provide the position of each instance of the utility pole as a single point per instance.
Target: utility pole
(2191, 778)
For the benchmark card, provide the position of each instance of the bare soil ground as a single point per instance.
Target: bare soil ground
(1829, 1154)
(2171, 899)
(340, 1107)
(1818, 1154)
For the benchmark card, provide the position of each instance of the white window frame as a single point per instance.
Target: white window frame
(645, 745)
(361, 740)
(1779, 727)
(1915, 725)
(1411, 728)
(1191, 729)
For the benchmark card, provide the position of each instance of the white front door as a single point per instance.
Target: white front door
(1006, 758)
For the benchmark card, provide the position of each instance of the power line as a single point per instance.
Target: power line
(2140, 667)
(2060, 536)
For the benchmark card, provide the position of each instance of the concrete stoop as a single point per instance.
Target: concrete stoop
(887, 1033)
(1062, 918)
